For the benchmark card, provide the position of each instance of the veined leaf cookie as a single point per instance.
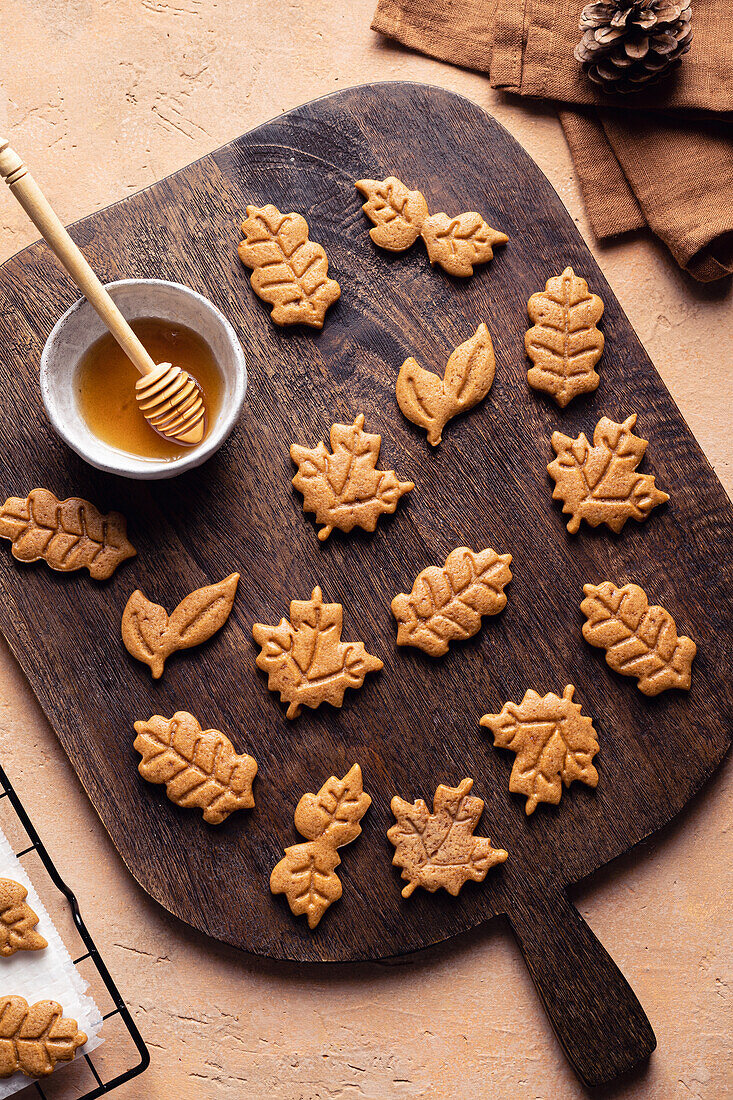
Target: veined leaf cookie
(564, 343)
(328, 820)
(17, 920)
(34, 1038)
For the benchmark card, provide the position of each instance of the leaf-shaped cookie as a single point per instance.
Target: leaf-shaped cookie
(67, 534)
(33, 1038)
(439, 849)
(200, 768)
(601, 484)
(430, 401)
(345, 489)
(447, 604)
(17, 920)
(305, 659)
(151, 635)
(459, 243)
(639, 640)
(328, 820)
(288, 270)
(564, 343)
(554, 743)
(398, 213)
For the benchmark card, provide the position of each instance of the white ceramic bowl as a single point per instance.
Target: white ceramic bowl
(80, 327)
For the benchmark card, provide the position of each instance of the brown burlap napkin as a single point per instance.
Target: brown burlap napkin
(662, 157)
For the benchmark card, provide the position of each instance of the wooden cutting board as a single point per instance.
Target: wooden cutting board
(415, 724)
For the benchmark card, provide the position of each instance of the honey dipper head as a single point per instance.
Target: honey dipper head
(173, 404)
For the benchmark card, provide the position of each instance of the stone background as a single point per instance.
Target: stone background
(104, 97)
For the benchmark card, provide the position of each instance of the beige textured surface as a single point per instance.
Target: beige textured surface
(104, 97)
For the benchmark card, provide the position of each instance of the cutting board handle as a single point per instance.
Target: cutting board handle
(594, 1011)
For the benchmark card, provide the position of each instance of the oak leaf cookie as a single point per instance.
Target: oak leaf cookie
(151, 635)
(344, 488)
(564, 343)
(289, 271)
(34, 1038)
(200, 768)
(554, 744)
(305, 659)
(430, 401)
(439, 849)
(17, 920)
(639, 640)
(68, 534)
(328, 820)
(446, 604)
(400, 216)
(600, 483)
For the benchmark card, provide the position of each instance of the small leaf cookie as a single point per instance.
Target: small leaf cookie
(398, 213)
(17, 920)
(328, 820)
(68, 534)
(34, 1038)
(430, 401)
(639, 640)
(600, 483)
(289, 271)
(344, 488)
(151, 635)
(446, 604)
(564, 343)
(200, 768)
(439, 849)
(554, 743)
(305, 659)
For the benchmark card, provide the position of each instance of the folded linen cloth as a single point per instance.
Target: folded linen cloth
(662, 157)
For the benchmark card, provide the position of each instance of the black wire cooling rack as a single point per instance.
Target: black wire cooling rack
(130, 1042)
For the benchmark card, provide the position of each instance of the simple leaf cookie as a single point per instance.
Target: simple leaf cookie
(305, 659)
(151, 635)
(200, 768)
(344, 488)
(430, 401)
(17, 920)
(447, 604)
(439, 849)
(68, 534)
(289, 271)
(328, 820)
(400, 216)
(34, 1038)
(639, 640)
(554, 743)
(564, 343)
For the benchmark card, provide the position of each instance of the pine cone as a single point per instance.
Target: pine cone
(628, 43)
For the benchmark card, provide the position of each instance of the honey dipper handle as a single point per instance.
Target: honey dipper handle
(39, 210)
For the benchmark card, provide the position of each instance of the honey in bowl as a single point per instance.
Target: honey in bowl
(105, 387)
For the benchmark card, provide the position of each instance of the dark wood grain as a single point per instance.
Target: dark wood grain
(415, 724)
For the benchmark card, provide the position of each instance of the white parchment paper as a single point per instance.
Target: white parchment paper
(47, 975)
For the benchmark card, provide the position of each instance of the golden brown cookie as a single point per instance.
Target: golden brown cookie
(554, 743)
(34, 1038)
(564, 343)
(430, 401)
(447, 604)
(150, 634)
(67, 534)
(439, 849)
(289, 271)
(400, 216)
(305, 659)
(328, 820)
(344, 488)
(600, 483)
(200, 768)
(17, 920)
(639, 640)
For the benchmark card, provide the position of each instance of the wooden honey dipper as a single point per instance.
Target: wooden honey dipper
(169, 398)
